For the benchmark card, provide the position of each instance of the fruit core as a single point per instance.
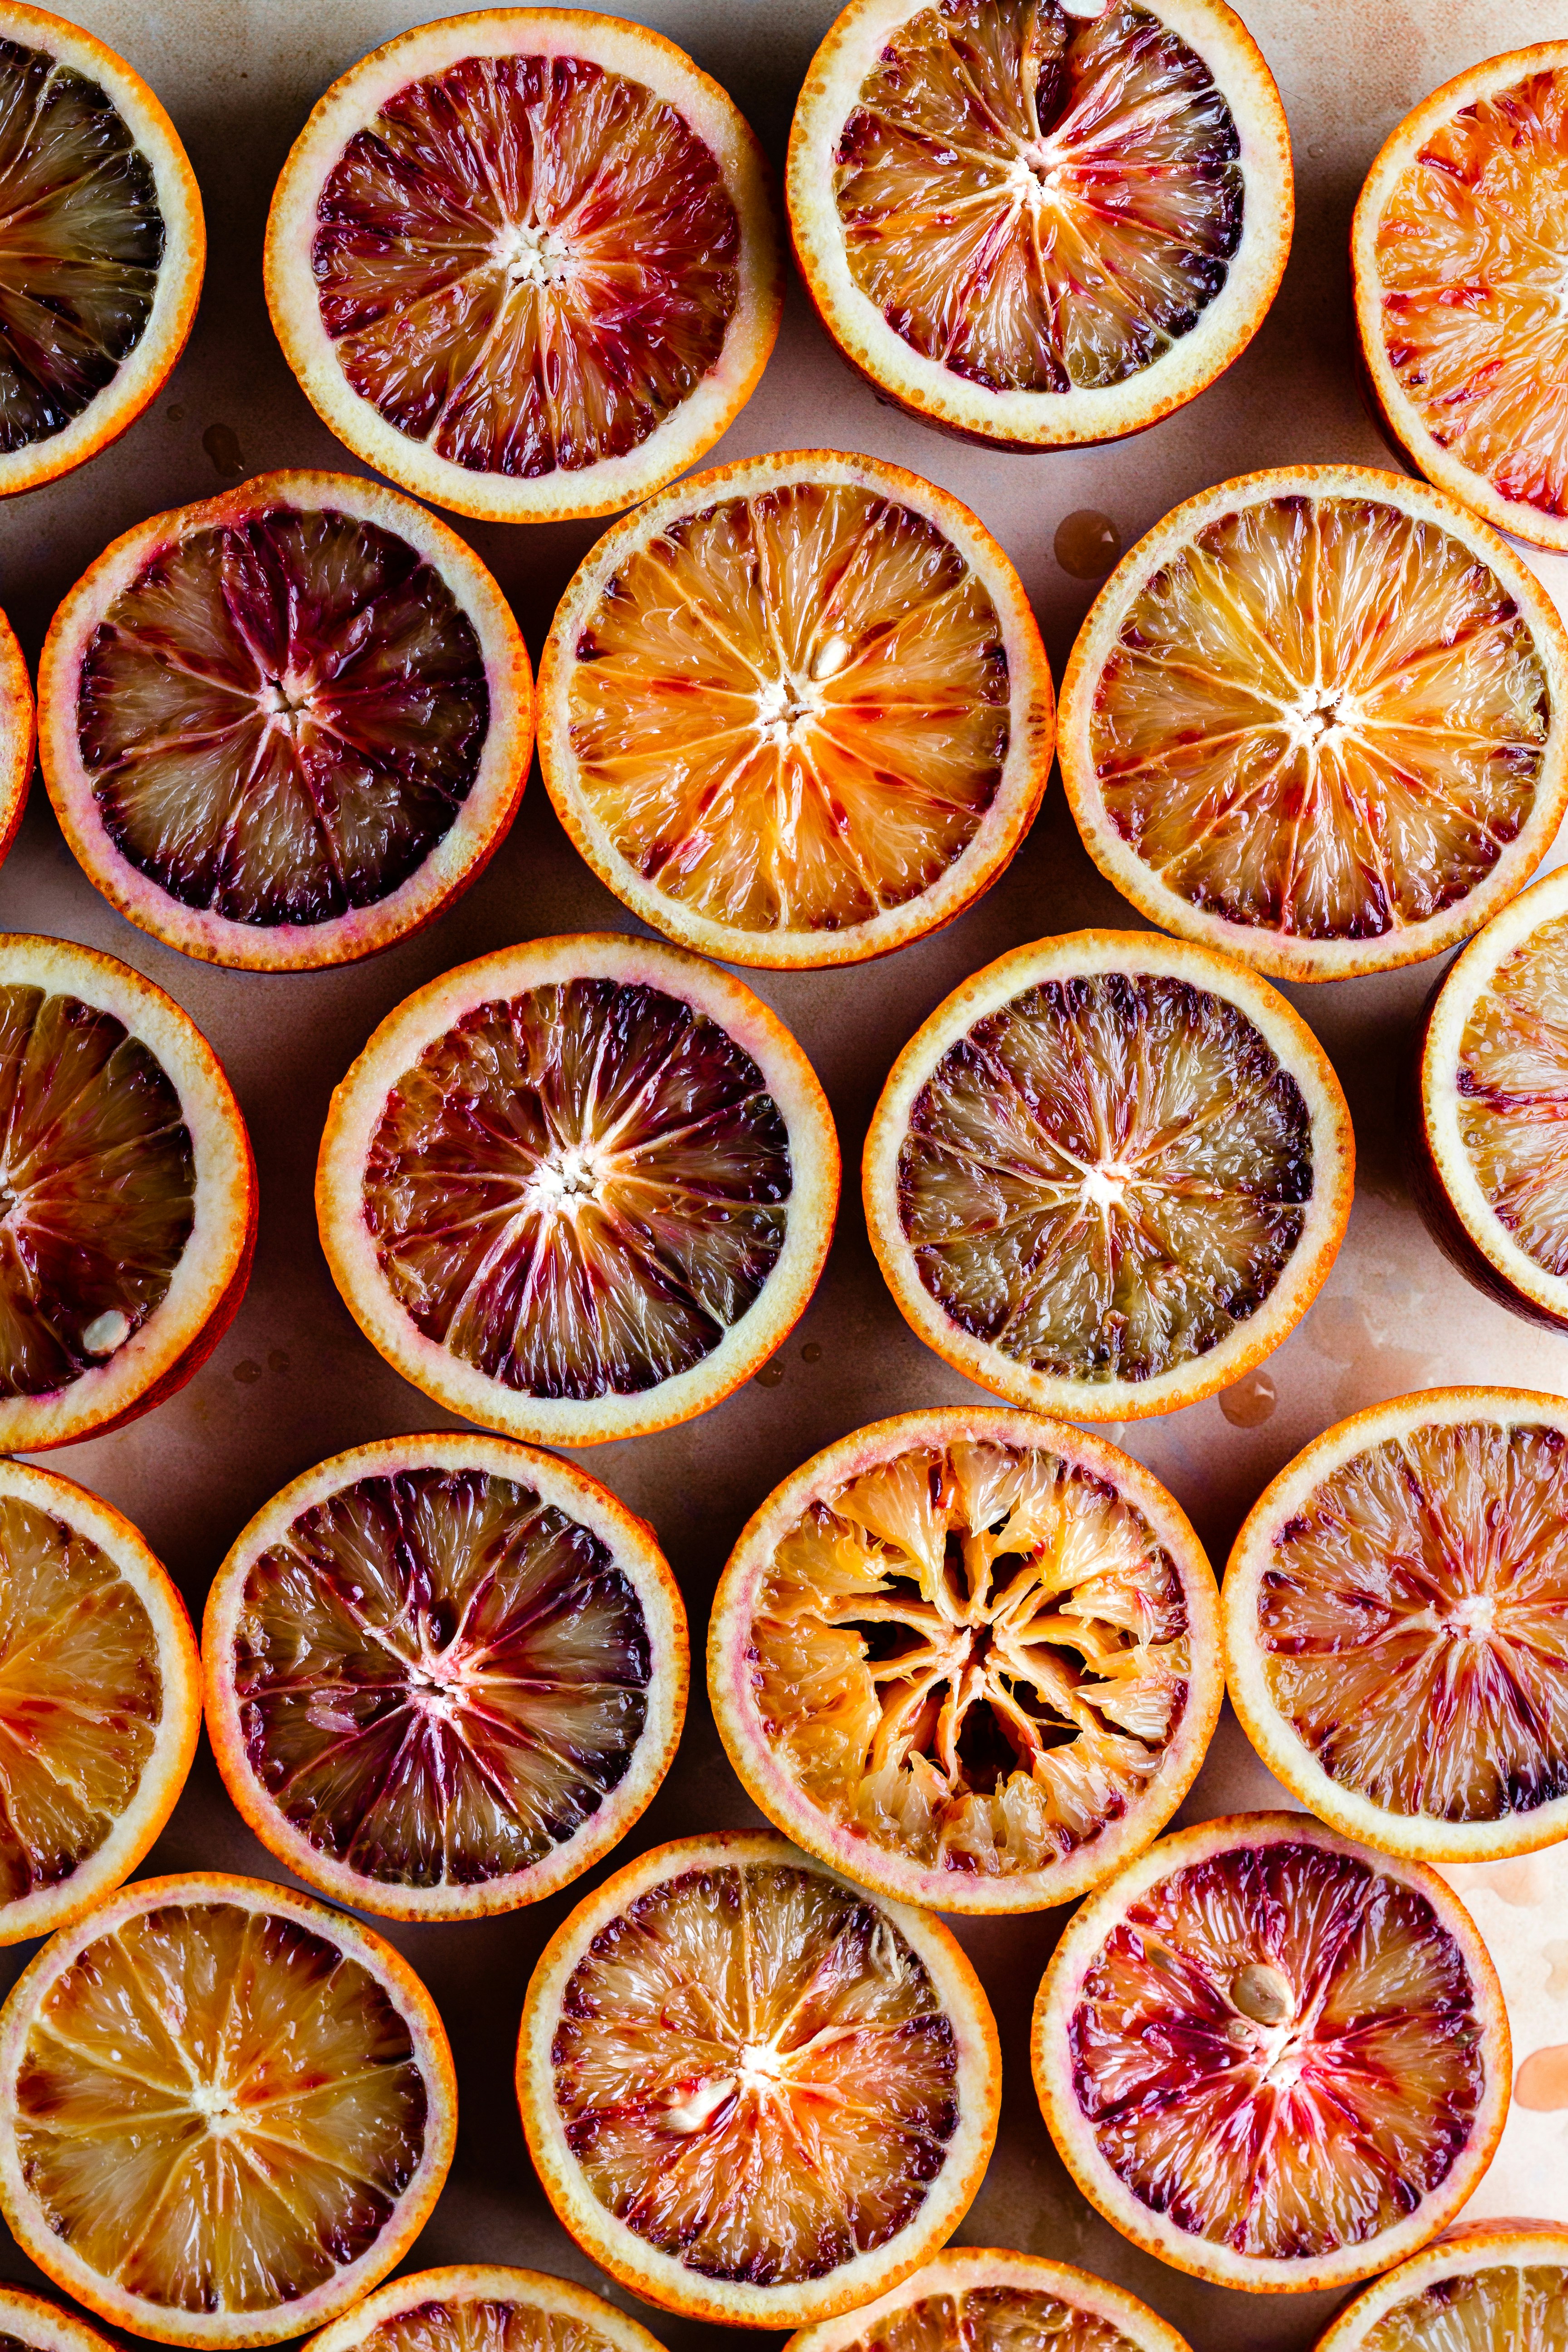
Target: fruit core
(1512, 1088)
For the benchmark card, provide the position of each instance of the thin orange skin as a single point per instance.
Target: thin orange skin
(19, 738)
(1507, 2239)
(46, 2327)
(606, 2329)
(960, 2267)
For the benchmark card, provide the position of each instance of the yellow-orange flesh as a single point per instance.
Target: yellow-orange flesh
(217, 2109)
(998, 2317)
(1512, 1088)
(1509, 2307)
(790, 711)
(975, 1655)
(1414, 1621)
(1471, 250)
(81, 1698)
(1039, 201)
(97, 1188)
(755, 2073)
(1322, 717)
(1276, 2048)
(1106, 1176)
(526, 263)
(482, 2323)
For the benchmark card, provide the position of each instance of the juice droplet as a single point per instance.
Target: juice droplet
(771, 1375)
(1541, 2081)
(1249, 1402)
(1087, 543)
(812, 1351)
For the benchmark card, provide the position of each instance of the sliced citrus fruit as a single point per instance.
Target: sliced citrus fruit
(1270, 2057)
(482, 2307)
(226, 2110)
(1487, 2286)
(99, 1700)
(1457, 255)
(1488, 1169)
(752, 2092)
(526, 262)
(1039, 225)
(286, 726)
(969, 1657)
(127, 1196)
(1318, 715)
(32, 2324)
(101, 246)
(1109, 1174)
(976, 2299)
(15, 734)
(579, 1189)
(444, 1675)
(796, 710)
(1395, 1615)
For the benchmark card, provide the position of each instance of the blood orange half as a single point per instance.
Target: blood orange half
(969, 1657)
(753, 2093)
(287, 726)
(1040, 225)
(525, 262)
(1272, 2058)
(444, 1675)
(1457, 254)
(127, 1196)
(1487, 2286)
(1318, 717)
(978, 2299)
(15, 734)
(35, 2325)
(579, 1189)
(482, 2307)
(796, 711)
(101, 246)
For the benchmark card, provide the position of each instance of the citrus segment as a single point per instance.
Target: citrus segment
(127, 1194)
(752, 2092)
(580, 1187)
(444, 1675)
(1484, 2285)
(101, 246)
(1456, 250)
(1108, 1173)
(525, 262)
(969, 1657)
(1040, 225)
(287, 725)
(1274, 2059)
(15, 734)
(225, 2110)
(1410, 1568)
(482, 2307)
(1318, 715)
(973, 2299)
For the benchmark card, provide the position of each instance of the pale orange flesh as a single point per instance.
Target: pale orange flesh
(482, 2323)
(1424, 1584)
(526, 263)
(1322, 717)
(1512, 1088)
(755, 2073)
(991, 2318)
(217, 2109)
(975, 1656)
(1276, 2049)
(1508, 2307)
(1039, 202)
(1472, 250)
(789, 712)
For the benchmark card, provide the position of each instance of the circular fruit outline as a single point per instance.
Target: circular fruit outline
(587, 2322)
(1462, 2253)
(43, 2326)
(17, 734)
(959, 2271)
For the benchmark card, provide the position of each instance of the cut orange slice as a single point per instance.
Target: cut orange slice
(752, 2093)
(15, 734)
(482, 2307)
(34, 2324)
(287, 725)
(1490, 1171)
(975, 2299)
(971, 1658)
(1109, 1174)
(1457, 254)
(1039, 225)
(226, 2111)
(1318, 717)
(526, 262)
(578, 1190)
(1273, 2059)
(444, 1675)
(1396, 1624)
(796, 711)
(99, 1700)
(1484, 2287)
(127, 1196)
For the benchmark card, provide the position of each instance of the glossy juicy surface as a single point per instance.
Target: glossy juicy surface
(482, 2323)
(991, 2318)
(1508, 2307)
(1512, 1085)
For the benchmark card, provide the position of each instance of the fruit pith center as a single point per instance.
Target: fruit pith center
(531, 255)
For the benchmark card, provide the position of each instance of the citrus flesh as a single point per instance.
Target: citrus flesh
(799, 711)
(978, 2299)
(1318, 717)
(1408, 1570)
(1272, 2057)
(443, 1675)
(483, 2307)
(970, 1658)
(1485, 2284)
(224, 2110)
